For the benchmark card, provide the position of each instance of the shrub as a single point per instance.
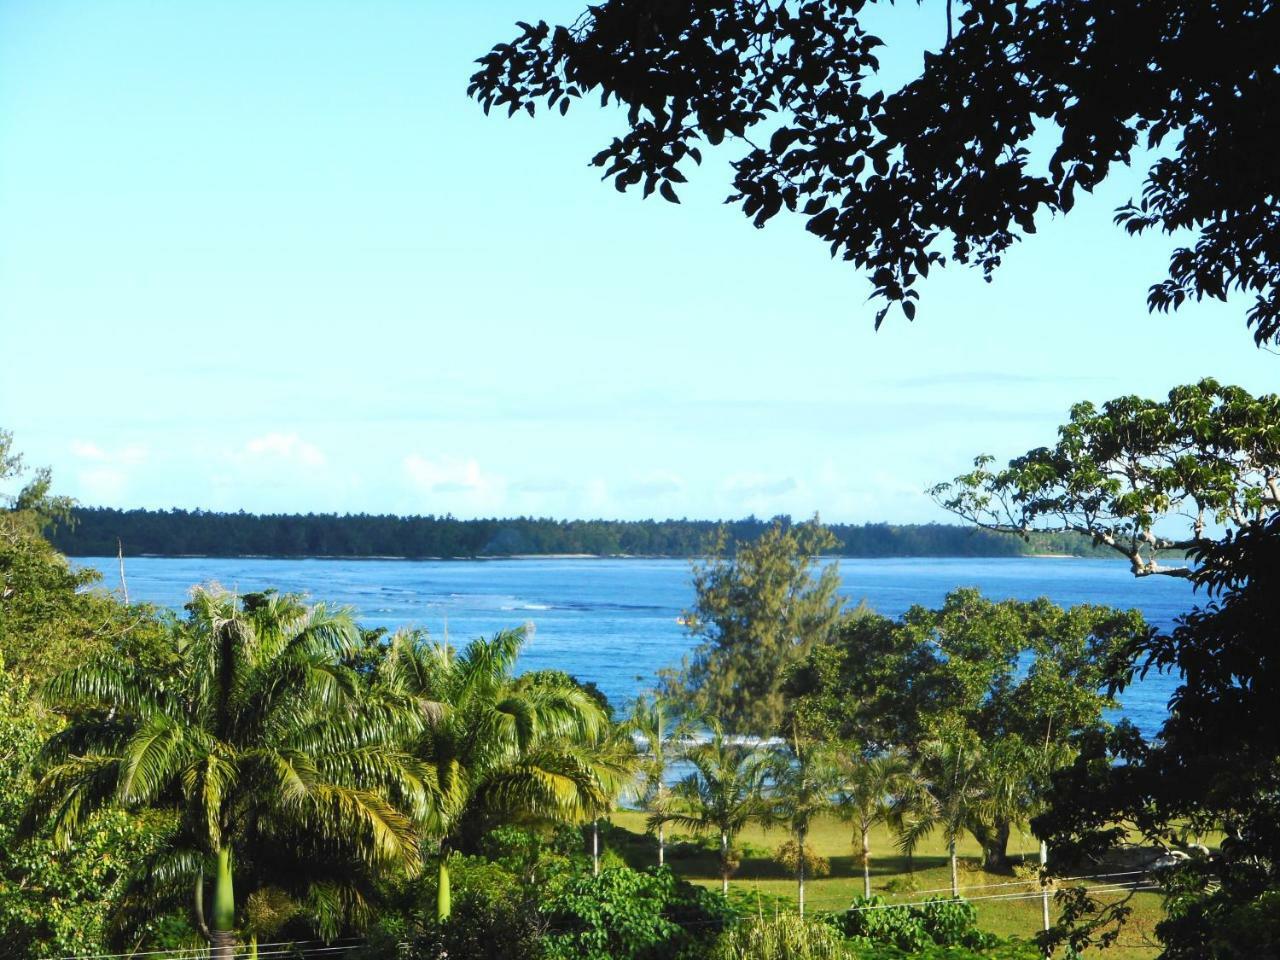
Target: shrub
(626, 914)
(782, 936)
(491, 919)
(934, 923)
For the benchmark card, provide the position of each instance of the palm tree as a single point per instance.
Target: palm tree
(953, 798)
(258, 753)
(723, 793)
(649, 723)
(869, 795)
(804, 781)
(501, 748)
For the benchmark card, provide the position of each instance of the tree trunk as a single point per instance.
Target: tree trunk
(955, 881)
(444, 895)
(866, 863)
(724, 863)
(198, 906)
(223, 934)
(995, 849)
(800, 869)
(662, 858)
(595, 848)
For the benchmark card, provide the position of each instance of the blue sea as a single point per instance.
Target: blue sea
(615, 621)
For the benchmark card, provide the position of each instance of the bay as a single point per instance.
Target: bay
(615, 621)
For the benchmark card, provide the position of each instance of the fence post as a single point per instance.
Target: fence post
(1044, 887)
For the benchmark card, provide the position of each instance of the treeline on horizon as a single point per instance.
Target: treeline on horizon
(101, 531)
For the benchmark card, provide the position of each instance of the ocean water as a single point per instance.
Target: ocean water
(615, 621)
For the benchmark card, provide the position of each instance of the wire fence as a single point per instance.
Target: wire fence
(1102, 884)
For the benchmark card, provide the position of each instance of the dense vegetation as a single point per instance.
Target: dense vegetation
(101, 531)
(257, 769)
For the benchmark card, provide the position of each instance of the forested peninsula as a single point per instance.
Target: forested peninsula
(101, 531)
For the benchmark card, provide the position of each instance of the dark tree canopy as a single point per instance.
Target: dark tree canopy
(1214, 766)
(1025, 104)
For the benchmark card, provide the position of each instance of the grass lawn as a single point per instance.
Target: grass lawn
(831, 838)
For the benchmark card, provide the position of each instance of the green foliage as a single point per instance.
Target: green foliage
(756, 612)
(271, 770)
(1125, 474)
(51, 618)
(55, 899)
(1012, 687)
(782, 936)
(722, 795)
(503, 748)
(936, 922)
(33, 508)
(625, 914)
(494, 917)
(865, 158)
(1213, 768)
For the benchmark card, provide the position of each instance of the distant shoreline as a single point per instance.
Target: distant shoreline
(556, 556)
(99, 531)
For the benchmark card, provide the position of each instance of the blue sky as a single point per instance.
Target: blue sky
(268, 256)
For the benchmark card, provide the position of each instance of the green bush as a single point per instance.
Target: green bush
(626, 914)
(782, 936)
(938, 922)
(493, 918)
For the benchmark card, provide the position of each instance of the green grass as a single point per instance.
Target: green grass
(832, 839)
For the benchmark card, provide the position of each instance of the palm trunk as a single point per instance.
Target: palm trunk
(223, 935)
(800, 869)
(595, 848)
(866, 863)
(444, 895)
(662, 846)
(724, 863)
(955, 882)
(198, 906)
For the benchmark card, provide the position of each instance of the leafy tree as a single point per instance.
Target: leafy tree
(33, 506)
(1029, 679)
(757, 612)
(257, 752)
(1021, 106)
(723, 794)
(872, 685)
(661, 737)
(803, 781)
(870, 788)
(50, 617)
(55, 900)
(1128, 473)
(1214, 766)
(501, 748)
(1025, 679)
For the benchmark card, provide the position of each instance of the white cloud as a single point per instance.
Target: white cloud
(130, 454)
(285, 446)
(102, 486)
(454, 483)
(105, 477)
